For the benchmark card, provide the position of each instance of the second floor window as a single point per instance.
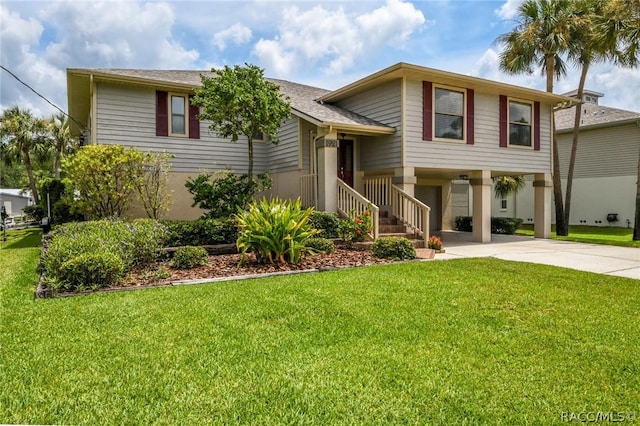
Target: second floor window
(449, 114)
(178, 115)
(520, 124)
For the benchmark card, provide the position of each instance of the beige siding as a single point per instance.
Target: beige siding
(605, 152)
(126, 115)
(382, 104)
(486, 153)
(283, 157)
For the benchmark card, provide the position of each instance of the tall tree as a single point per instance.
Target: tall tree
(602, 30)
(240, 102)
(62, 143)
(541, 38)
(21, 134)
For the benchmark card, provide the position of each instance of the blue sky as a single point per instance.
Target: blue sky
(321, 43)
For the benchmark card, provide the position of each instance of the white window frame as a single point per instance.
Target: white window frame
(434, 112)
(504, 204)
(186, 114)
(532, 118)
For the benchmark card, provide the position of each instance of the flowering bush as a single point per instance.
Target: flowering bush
(434, 243)
(356, 228)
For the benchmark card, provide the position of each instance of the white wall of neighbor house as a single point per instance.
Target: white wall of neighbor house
(592, 200)
(604, 179)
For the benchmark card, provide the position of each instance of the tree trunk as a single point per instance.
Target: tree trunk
(574, 145)
(561, 228)
(250, 147)
(56, 165)
(32, 181)
(636, 226)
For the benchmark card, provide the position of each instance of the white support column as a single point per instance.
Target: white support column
(542, 205)
(447, 207)
(481, 184)
(327, 148)
(405, 179)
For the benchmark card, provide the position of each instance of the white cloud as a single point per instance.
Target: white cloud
(335, 40)
(509, 9)
(20, 37)
(236, 34)
(115, 34)
(619, 85)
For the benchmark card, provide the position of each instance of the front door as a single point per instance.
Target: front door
(345, 161)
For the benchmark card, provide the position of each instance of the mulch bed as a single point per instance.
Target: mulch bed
(226, 265)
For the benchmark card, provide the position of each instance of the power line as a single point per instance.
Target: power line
(42, 96)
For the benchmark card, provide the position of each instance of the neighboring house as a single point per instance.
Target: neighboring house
(606, 168)
(14, 201)
(396, 138)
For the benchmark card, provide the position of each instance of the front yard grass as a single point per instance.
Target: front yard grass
(460, 341)
(610, 235)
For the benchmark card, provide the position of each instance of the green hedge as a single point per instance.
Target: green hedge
(70, 250)
(189, 257)
(499, 225)
(200, 232)
(325, 222)
(397, 248)
(321, 245)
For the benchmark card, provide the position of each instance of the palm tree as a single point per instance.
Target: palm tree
(507, 185)
(62, 142)
(598, 34)
(21, 134)
(540, 38)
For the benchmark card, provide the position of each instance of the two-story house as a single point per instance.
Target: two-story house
(394, 140)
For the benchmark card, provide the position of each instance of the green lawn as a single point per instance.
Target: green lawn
(462, 341)
(610, 235)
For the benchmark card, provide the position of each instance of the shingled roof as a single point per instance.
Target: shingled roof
(301, 97)
(592, 115)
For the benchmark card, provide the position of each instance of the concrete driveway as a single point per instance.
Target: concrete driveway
(601, 259)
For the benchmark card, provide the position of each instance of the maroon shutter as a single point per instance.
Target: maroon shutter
(470, 109)
(194, 123)
(427, 111)
(162, 114)
(504, 125)
(536, 126)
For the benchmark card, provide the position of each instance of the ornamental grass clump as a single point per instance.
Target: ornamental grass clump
(275, 231)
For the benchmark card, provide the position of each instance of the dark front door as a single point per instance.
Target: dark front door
(345, 161)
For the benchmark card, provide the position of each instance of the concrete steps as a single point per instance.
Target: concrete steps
(388, 226)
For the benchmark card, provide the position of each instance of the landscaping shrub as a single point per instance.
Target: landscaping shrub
(356, 228)
(134, 243)
(434, 243)
(321, 245)
(505, 225)
(188, 257)
(326, 222)
(90, 271)
(224, 193)
(499, 225)
(397, 248)
(464, 223)
(275, 231)
(200, 232)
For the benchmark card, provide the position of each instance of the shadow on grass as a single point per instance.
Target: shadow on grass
(25, 238)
